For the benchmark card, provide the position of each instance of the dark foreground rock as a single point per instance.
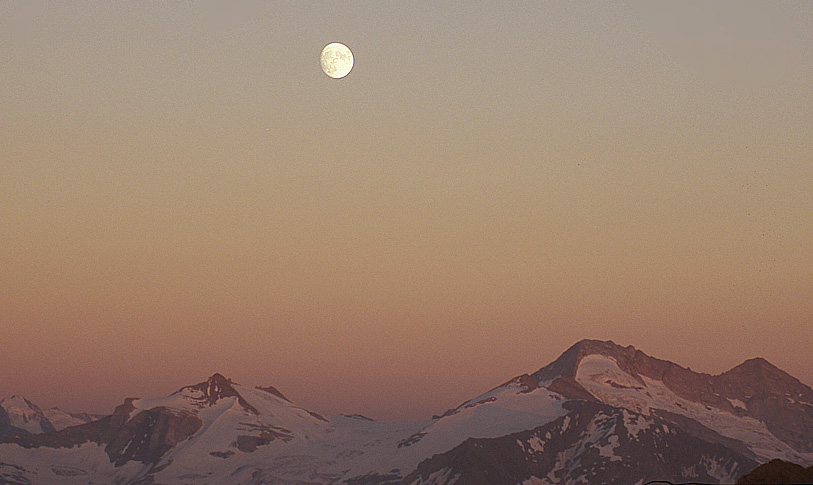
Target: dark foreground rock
(778, 472)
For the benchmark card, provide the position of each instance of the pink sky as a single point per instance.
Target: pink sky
(183, 192)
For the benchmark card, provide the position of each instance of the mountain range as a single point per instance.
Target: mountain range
(600, 413)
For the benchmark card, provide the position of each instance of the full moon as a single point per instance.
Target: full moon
(337, 60)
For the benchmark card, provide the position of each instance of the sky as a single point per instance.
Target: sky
(183, 191)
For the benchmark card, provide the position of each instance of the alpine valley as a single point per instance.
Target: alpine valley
(599, 414)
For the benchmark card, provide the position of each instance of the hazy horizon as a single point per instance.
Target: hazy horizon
(183, 191)
(96, 409)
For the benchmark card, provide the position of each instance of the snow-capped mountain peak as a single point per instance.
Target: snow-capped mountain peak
(210, 391)
(600, 413)
(25, 415)
(728, 407)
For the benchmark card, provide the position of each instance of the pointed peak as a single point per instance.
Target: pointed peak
(216, 388)
(19, 401)
(758, 376)
(219, 378)
(758, 362)
(757, 366)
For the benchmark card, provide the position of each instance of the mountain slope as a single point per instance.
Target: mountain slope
(598, 413)
(593, 443)
(61, 419)
(5, 425)
(727, 423)
(197, 423)
(25, 415)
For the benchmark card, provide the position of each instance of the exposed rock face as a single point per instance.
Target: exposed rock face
(755, 388)
(525, 381)
(150, 434)
(359, 416)
(774, 397)
(685, 450)
(778, 472)
(6, 428)
(65, 438)
(250, 443)
(594, 443)
(570, 389)
(25, 416)
(273, 390)
(145, 437)
(684, 382)
(215, 388)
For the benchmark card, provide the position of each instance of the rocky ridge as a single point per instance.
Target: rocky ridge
(586, 416)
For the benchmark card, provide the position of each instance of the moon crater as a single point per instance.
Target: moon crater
(336, 60)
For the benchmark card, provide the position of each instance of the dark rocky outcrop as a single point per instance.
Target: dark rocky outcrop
(774, 397)
(273, 390)
(216, 388)
(267, 434)
(150, 434)
(359, 416)
(778, 472)
(570, 389)
(144, 438)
